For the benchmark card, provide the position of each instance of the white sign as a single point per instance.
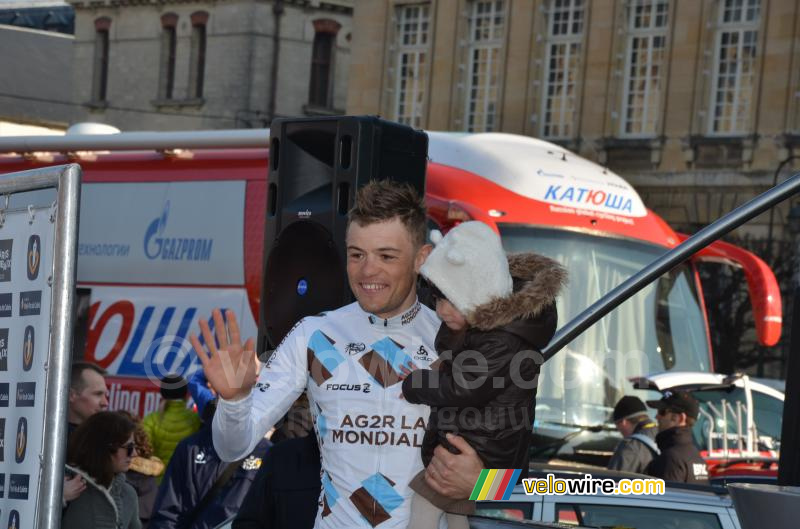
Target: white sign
(26, 264)
(181, 233)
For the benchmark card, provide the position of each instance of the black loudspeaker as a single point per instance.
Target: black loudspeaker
(316, 167)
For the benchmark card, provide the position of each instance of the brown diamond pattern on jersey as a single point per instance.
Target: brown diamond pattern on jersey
(323, 357)
(376, 499)
(368, 507)
(384, 360)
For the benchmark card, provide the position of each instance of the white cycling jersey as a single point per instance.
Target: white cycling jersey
(369, 436)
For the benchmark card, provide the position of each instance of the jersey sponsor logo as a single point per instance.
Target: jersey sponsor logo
(409, 316)
(200, 458)
(379, 430)
(422, 354)
(355, 347)
(262, 386)
(364, 388)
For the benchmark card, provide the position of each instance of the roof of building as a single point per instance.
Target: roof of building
(48, 17)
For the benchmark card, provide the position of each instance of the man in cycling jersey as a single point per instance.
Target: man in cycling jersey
(351, 362)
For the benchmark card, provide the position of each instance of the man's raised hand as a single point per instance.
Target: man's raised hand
(231, 369)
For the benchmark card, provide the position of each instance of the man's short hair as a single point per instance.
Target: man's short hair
(174, 387)
(76, 382)
(384, 200)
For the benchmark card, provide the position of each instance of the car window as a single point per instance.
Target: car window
(507, 510)
(622, 517)
(768, 415)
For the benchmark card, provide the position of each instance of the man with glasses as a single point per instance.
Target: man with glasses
(679, 459)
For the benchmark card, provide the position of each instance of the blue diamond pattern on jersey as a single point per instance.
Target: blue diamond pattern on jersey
(330, 491)
(383, 492)
(323, 357)
(394, 355)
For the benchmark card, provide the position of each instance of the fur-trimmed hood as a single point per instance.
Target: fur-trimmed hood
(537, 282)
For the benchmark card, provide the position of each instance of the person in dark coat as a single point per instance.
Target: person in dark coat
(144, 469)
(638, 446)
(679, 459)
(286, 488)
(502, 308)
(192, 472)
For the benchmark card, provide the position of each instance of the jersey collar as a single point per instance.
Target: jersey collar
(396, 322)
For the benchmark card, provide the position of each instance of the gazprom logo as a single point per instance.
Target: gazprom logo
(157, 246)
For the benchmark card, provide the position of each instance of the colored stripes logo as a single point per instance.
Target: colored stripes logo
(495, 484)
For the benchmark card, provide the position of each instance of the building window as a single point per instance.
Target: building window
(486, 33)
(100, 72)
(564, 43)
(413, 26)
(733, 85)
(197, 64)
(169, 44)
(320, 93)
(645, 60)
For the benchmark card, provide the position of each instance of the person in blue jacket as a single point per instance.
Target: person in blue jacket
(185, 498)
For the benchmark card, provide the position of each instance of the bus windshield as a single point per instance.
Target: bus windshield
(660, 328)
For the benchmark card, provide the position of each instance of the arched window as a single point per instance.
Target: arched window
(197, 65)
(320, 91)
(169, 44)
(102, 26)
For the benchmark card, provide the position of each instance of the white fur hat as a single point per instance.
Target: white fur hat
(469, 266)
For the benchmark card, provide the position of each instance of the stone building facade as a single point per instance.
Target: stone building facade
(695, 102)
(190, 65)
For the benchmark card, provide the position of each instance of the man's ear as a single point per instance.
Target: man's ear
(422, 255)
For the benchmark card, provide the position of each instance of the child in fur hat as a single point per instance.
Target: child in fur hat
(497, 312)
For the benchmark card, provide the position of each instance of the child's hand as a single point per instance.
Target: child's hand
(404, 372)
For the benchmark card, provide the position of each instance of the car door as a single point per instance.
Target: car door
(634, 513)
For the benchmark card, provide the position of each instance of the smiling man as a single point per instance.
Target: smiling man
(351, 361)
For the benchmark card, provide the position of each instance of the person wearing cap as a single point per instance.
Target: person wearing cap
(679, 459)
(174, 421)
(502, 308)
(638, 447)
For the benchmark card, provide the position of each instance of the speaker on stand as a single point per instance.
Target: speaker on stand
(316, 165)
